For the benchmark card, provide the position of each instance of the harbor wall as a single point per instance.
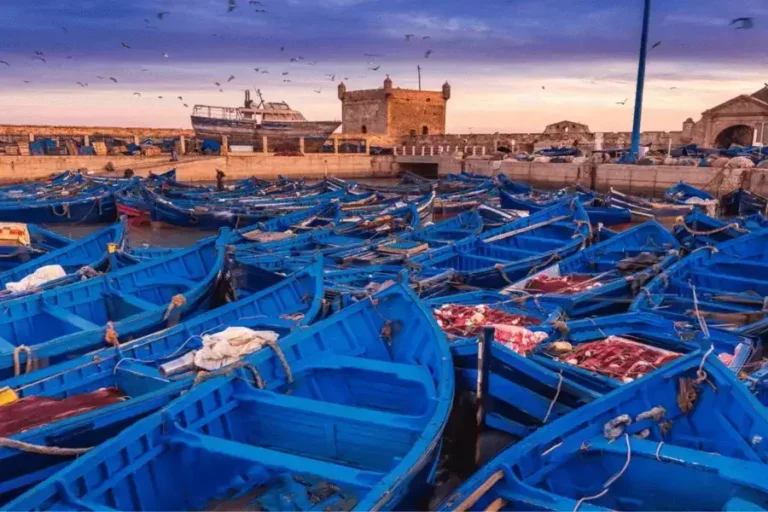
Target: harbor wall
(14, 169)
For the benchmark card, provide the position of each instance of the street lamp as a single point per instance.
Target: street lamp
(634, 150)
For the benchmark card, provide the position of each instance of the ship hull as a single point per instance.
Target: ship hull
(280, 136)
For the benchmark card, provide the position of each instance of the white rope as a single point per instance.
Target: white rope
(610, 481)
(702, 322)
(557, 395)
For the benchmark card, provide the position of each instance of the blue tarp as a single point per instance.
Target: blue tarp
(210, 146)
(86, 151)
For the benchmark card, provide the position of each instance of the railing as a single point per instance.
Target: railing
(229, 113)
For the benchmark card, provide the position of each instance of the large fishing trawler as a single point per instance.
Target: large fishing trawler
(248, 125)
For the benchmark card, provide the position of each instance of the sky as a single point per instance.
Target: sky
(513, 65)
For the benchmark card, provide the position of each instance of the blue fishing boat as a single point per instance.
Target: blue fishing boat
(89, 204)
(378, 374)
(606, 215)
(742, 203)
(91, 398)
(605, 352)
(90, 252)
(20, 243)
(682, 192)
(642, 210)
(513, 187)
(722, 287)
(509, 253)
(698, 229)
(65, 322)
(685, 438)
(605, 277)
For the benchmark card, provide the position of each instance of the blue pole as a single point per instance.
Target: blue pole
(635, 149)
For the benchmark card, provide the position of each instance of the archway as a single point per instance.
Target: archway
(738, 134)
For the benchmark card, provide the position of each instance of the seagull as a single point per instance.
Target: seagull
(113, 79)
(286, 80)
(144, 70)
(81, 84)
(68, 57)
(346, 78)
(425, 38)
(376, 68)
(427, 54)
(231, 77)
(100, 77)
(672, 88)
(265, 72)
(285, 73)
(622, 102)
(137, 94)
(4, 62)
(294, 59)
(256, 69)
(312, 63)
(255, 2)
(180, 98)
(231, 6)
(217, 84)
(41, 54)
(318, 91)
(260, 10)
(161, 14)
(221, 90)
(543, 88)
(124, 45)
(160, 97)
(27, 81)
(742, 23)
(186, 105)
(332, 77)
(656, 45)
(371, 55)
(146, 20)
(408, 37)
(300, 57)
(37, 57)
(165, 54)
(282, 48)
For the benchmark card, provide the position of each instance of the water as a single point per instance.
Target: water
(140, 236)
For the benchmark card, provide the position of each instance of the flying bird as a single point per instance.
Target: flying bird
(285, 73)
(180, 98)
(137, 94)
(260, 10)
(255, 2)
(742, 23)
(64, 29)
(68, 57)
(265, 72)
(100, 77)
(346, 78)
(231, 77)
(371, 55)
(186, 105)
(146, 20)
(332, 77)
(27, 81)
(408, 37)
(160, 97)
(217, 84)
(125, 45)
(37, 57)
(312, 63)
(425, 38)
(221, 90)
(376, 68)
(543, 88)
(427, 54)
(300, 57)
(318, 91)
(165, 54)
(672, 88)
(113, 79)
(161, 14)
(256, 69)
(286, 80)
(144, 70)
(656, 45)
(41, 54)
(231, 5)
(622, 102)
(81, 84)
(282, 48)
(3, 62)
(294, 59)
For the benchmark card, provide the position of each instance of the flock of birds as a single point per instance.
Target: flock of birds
(743, 23)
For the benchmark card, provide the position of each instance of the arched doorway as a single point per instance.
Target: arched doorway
(739, 134)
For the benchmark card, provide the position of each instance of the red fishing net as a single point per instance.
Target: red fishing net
(573, 283)
(467, 321)
(618, 358)
(35, 411)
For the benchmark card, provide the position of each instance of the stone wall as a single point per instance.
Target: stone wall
(412, 111)
(80, 131)
(371, 113)
(14, 169)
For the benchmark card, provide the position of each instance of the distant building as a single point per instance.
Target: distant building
(741, 120)
(566, 127)
(394, 112)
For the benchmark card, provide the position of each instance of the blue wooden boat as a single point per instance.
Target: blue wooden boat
(742, 203)
(605, 277)
(513, 187)
(606, 215)
(681, 192)
(509, 253)
(377, 374)
(149, 372)
(723, 287)
(59, 324)
(642, 209)
(670, 441)
(698, 229)
(92, 204)
(90, 251)
(494, 217)
(20, 243)
(605, 352)
(32, 188)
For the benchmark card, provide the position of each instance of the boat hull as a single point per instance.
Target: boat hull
(281, 136)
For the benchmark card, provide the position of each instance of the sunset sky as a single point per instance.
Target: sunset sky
(497, 55)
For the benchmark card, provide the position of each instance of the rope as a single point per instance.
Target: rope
(64, 210)
(111, 335)
(607, 484)
(176, 302)
(681, 222)
(555, 257)
(17, 360)
(6, 442)
(500, 268)
(658, 451)
(702, 321)
(557, 395)
(502, 236)
(283, 360)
